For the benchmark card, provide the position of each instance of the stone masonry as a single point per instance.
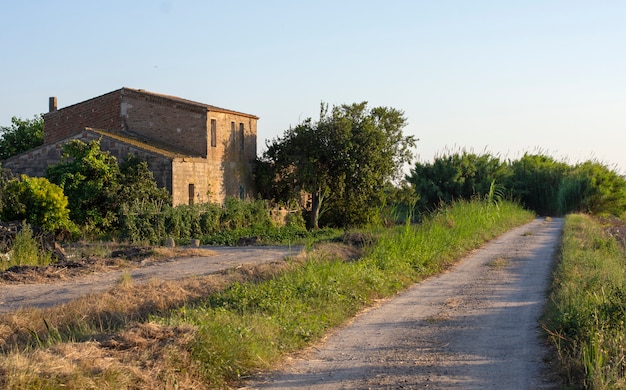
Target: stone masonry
(198, 152)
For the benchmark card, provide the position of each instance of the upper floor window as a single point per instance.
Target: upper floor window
(213, 132)
(241, 136)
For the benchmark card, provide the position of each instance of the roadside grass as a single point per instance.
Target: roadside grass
(586, 314)
(213, 331)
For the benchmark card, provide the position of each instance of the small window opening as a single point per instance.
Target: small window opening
(192, 192)
(213, 133)
(241, 136)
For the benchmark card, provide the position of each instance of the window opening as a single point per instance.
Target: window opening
(213, 133)
(241, 136)
(192, 192)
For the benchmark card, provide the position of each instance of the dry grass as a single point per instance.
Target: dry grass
(127, 302)
(163, 252)
(144, 356)
(106, 339)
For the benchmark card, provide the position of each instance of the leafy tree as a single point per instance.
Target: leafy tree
(90, 179)
(21, 136)
(98, 189)
(345, 160)
(37, 201)
(137, 183)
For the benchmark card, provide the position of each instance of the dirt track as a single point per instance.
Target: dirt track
(47, 294)
(474, 327)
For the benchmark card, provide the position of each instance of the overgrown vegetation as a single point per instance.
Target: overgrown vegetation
(97, 188)
(587, 311)
(230, 330)
(539, 182)
(213, 224)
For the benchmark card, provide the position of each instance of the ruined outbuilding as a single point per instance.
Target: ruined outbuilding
(198, 152)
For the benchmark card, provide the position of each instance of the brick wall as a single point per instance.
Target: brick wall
(102, 112)
(168, 121)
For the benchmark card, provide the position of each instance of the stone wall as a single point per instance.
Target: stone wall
(35, 162)
(211, 181)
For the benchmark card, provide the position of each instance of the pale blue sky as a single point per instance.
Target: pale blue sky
(505, 76)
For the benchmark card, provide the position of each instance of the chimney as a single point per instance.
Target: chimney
(52, 105)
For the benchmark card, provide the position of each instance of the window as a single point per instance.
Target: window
(213, 133)
(241, 136)
(232, 132)
(192, 192)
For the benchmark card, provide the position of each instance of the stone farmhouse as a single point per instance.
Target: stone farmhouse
(198, 152)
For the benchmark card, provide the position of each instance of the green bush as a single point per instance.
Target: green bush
(455, 176)
(215, 224)
(37, 201)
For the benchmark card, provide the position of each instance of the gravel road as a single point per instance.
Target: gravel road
(473, 327)
(49, 294)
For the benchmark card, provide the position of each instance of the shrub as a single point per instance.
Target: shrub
(37, 201)
(455, 176)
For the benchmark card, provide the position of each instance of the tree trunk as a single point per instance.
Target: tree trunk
(316, 202)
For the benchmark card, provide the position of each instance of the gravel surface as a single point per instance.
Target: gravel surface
(50, 294)
(473, 327)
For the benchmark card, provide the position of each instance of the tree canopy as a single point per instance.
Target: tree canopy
(345, 160)
(21, 136)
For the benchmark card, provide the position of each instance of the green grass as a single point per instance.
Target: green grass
(587, 313)
(250, 326)
(25, 250)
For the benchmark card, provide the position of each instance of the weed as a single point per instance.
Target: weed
(125, 280)
(498, 263)
(26, 250)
